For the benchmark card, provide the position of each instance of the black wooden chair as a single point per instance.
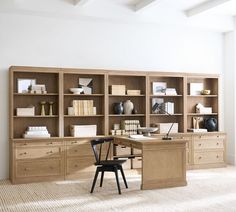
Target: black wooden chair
(106, 165)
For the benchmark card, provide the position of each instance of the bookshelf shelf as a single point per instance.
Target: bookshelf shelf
(37, 116)
(35, 94)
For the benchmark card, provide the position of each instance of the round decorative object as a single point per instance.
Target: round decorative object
(50, 108)
(42, 113)
(210, 124)
(76, 90)
(206, 92)
(118, 108)
(128, 107)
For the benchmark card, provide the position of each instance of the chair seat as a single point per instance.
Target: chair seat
(110, 162)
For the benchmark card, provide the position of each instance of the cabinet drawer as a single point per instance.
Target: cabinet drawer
(209, 137)
(79, 165)
(123, 150)
(137, 163)
(41, 152)
(208, 157)
(209, 144)
(38, 168)
(38, 143)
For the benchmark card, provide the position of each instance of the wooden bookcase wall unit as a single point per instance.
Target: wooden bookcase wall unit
(212, 100)
(65, 157)
(176, 82)
(132, 82)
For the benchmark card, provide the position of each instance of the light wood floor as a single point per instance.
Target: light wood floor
(207, 190)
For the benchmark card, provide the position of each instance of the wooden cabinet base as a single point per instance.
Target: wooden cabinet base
(156, 185)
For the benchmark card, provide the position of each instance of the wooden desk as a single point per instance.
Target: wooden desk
(163, 162)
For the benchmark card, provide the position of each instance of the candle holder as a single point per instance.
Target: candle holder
(42, 108)
(50, 108)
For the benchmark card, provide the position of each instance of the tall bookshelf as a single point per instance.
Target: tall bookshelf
(65, 157)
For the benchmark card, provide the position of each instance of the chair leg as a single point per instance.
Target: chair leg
(117, 180)
(123, 175)
(94, 180)
(101, 180)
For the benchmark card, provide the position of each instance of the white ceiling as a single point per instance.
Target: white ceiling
(171, 12)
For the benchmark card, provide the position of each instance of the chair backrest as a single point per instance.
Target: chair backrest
(98, 151)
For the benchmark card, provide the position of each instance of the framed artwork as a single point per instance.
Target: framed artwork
(159, 101)
(23, 85)
(196, 88)
(159, 88)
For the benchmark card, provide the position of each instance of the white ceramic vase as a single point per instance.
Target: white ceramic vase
(128, 107)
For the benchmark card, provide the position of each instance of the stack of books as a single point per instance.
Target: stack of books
(168, 107)
(83, 107)
(130, 126)
(37, 132)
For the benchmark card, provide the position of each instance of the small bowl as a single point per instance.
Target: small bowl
(206, 92)
(76, 90)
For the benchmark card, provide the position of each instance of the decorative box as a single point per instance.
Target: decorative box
(83, 130)
(28, 111)
(164, 127)
(117, 89)
(133, 92)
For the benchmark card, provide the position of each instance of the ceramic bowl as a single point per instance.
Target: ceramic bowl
(206, 92)
(76, 90)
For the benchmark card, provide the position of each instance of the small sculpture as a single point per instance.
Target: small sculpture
(42, 108)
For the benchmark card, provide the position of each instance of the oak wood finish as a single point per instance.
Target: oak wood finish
(163, 162)
(70, 158)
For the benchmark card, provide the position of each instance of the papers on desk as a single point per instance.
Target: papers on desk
(140, 137)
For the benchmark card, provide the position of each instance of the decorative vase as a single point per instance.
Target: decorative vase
(210, 124)
(118, 108)
(128, 107)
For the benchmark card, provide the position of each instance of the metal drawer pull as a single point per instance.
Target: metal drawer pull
(75, 165)
(217, 156)
(50, 143)
(199, 157)
(199, 144)
(218, 136)
(25, 153)
(50, 152)
(75, 150)
(217, 143)
(25, 144)
(74, 142)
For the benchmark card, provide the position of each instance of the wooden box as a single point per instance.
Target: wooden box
(117, 89)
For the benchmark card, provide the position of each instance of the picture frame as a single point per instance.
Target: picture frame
(159, 88)
(196, 88)
(24, 84)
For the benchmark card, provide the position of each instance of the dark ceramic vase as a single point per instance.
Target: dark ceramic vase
(210, 124)
(118, 108)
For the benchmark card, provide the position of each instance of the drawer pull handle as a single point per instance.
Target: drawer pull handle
(25, 144)
(50, 152)
(51, 167)
(50, 143)
(218, 136)
(200, 158)
(74, 142)
(76, 165)
(217, 156)
(199, 144)
(76, 150)
(217, 143)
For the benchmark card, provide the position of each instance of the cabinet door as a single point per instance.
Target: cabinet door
(42, 168)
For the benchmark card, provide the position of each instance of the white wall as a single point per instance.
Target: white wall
(38, 41)
(230, 94)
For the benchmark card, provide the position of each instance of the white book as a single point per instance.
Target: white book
(36, 136)
(37, 128)
(44, 132)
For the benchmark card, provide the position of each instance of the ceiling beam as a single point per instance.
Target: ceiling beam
(204, 7)
(144, 4)
(81, 2)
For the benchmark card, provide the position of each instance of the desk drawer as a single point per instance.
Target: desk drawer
(41, 152)
(208, 157)
(38, 168)
(208, 144)
(137, 163)
(80, 165)
(209, 137)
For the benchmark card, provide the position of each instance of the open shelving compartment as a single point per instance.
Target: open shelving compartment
(211, 100)
(23, 100)
(172, 82)
(131, 82)
(71, 80)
